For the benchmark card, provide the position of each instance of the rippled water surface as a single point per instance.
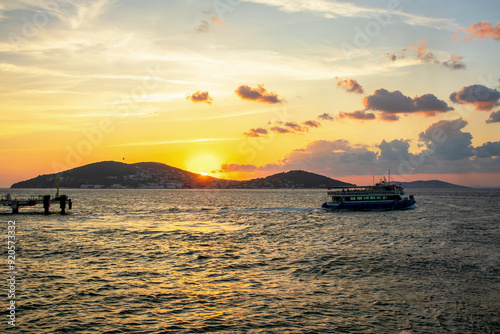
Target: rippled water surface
(256, 261)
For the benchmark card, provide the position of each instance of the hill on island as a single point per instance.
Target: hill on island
(295, 179)
(428, 184)
(153, 175)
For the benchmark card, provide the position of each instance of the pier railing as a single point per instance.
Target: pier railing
(46, 200)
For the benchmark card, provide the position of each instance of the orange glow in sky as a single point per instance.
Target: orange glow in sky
(252, 89)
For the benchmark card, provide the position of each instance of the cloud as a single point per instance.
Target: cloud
(295, 126)
(280, 129)
(358, 114)
(335, 9)
(227, 168)
(283, 127)
(205, 26)
(480, 30)
(215, 19)
(392, 56)
(74, 13)
(494, 117)
(455, 62)
(312, 124)
(259, 94)
(394, 150)
(389, 117)
(447, 141)
(350, 85)
(81, 13)
(200, 96)
(326, 117)
(445, 149)
(258, 132)
(488, 150)
(422, 53)
(395, 102)
(323, 156)
(247, 168)
(481, 97)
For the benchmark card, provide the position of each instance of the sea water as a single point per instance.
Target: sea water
(254, 261)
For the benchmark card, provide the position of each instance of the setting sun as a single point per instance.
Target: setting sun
(204, 163)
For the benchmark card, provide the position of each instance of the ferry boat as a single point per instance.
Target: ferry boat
(381, 196)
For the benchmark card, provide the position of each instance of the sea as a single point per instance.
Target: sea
(252, 261)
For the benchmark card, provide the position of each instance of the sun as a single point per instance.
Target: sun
(203, 163)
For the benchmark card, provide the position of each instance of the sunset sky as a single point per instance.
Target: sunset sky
(244, 89)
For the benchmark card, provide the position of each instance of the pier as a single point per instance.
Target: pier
(63, 201)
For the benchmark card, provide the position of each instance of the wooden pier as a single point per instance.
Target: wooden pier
(46, 201)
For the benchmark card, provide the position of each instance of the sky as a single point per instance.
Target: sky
(243, 89)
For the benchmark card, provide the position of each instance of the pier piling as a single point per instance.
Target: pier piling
(46, 204)
(62, 201)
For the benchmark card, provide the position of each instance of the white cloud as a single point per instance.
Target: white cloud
(75, 13)
(328, 9)
(334, 9)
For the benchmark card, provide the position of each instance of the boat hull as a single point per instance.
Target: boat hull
(369, 206)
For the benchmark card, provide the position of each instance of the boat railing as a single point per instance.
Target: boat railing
(362, 192)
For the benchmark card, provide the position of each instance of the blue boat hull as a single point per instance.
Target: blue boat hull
(375, 205)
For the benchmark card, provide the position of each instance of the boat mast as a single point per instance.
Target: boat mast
(389, 177)
(58, 183)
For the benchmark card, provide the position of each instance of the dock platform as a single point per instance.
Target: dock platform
(63, 201)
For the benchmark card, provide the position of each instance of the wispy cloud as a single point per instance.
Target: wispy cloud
(422, 53)
(256, 132)
(328, 9)
(180, 141)
(326, 117)
(426, 56)
(205, 25)
(280, 129)
(74, 13)
(335, 9)
(358, 114)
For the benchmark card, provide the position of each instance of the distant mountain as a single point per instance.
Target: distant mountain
(152, 175)
(295, 179)
(111, 174)
(428, 184)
